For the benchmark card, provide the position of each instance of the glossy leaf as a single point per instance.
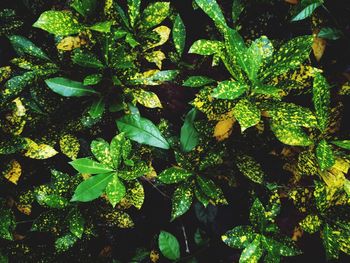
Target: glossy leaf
(290, 135)
(92, 188)
(84, 7)
(257, 215)
(306, 12)
(181, 200)
(86, 59)
(174, 175)
(179, 35)
(206, 47)
(324, 155)
(168, 245)
(89, 166)
(213, 10)
(197, 81)
(330, 33)
(345, 144)
(252, 253)
(23, 46)
(246, 113)
(115, 190)
(61, 23)
(239, 237)
(103, 27)
(97, 108)
(100, 149)
(154, 14)
(142, 131)
(69, 88)
(189, 136)
(229, 90)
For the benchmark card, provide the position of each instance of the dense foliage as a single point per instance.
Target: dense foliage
(154, 131)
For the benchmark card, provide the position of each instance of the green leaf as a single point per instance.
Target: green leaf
(100, 149)
(181, 200)
(239, 237)
(174, 175)
(134, 11)
(88, 166)
(257, 215)
(330, 33)
(291, 114)
(52, 200)
(113, 11)
(311, 223)
(92, 79)
(76, 222)
(290, 134)
(283, 247)
(206, 47)
(210, 189)
(213, 10)
(86, 59)
(115, 190)
(97, 108)
(61, 23)
(253, 252)
(92, 188)
(290, 56)
(142, 130)
(65, 242)
(69, 88)
(250, 168)
(154, 14)
(136, 171)
(168, 245)
(237, 8)
(189, 135)
(179, 35)
(23, 46)
(119, 148)
(84, 7)
(330, 242)
(229, 90)
(103, 27)
(246, 113)
(345, 144)
(7, 223)
(306, 12)
(324, 155)
(197, 81)
(321, 97)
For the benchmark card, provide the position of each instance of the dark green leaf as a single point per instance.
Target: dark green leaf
(134, 11)
(324, 155)
(237, 8)
(206, 47)
(69, 88)
(92, 188)
(306, 12)
(257, 215)
(154, 14)
(250, 168)
(97, 108)
(84, 7)
(330, 242)
(92, 79)
(7, 223)
(86, 59)
(103, 27)
(65, 242)
(174, 175)
(120, 148)
(100, 149)
(213, 10)
(23, 46)
(181, 200)
(321, 97)
(179, 35)
(239, 237)
(345, 144)
(76, 222)
(168, 245)
(142, 131)
(189, 135)
(330, 33)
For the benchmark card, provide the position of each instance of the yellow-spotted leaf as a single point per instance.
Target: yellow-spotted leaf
(246, 113)
(39, 151)
(69, 146)
(164, 33)
(156, 57)
(13, 171)
(147, 98)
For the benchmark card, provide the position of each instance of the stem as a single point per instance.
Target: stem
(185, 236)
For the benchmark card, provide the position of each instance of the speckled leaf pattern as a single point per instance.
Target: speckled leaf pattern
(229, 90)
(239, 237)
(311, 223)
(92, 188)
(292, 114)
(321, 98)
(115, 190)
(290, 135)
(147, 98)
(250, 168)
(16, 84)
(135, 193)
(23, 46)
(210, 189)
(206, 47)
(86, 59)
(69, 146)
(213, 10)
(89, 166)
(76, 222)
(61, 23)
(7, 224)
(92, 79)
(65, 242)
(253, 252)
(134, 11)
(13, 171)
(288, 57)
(197, 81)
(138, 170)
(174, 175)
(324, 154)
(246, 113)
(257, 215)
(117, 149)
(282, 247)
(154, 14)
(84, 7)
(142, 131)
(179, 35)
(330, 242)
(156, 57)
(100, 149)
(39, 151)
(181, 200)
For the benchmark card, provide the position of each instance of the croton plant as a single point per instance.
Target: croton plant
(181, 131)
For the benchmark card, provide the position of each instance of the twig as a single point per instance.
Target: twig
(185, 236)
(160, 191)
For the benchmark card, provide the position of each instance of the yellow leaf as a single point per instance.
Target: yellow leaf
(164, 33)
(223, 129)
(69, 43)
(318, 47)
(156, 57)
(24, 209)
(39, 151)
(13, 171)
(70, 146)
(14, 122)
(154, 256)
